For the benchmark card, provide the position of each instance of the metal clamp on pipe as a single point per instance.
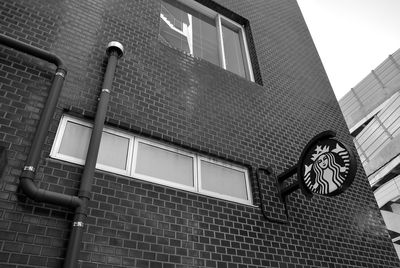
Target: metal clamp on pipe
(114, 51)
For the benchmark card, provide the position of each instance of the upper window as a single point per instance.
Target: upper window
(203, 33)
(133, 156)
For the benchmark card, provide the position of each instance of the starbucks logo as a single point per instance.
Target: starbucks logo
(327, 167)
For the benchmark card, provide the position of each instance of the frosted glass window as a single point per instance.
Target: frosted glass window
(75, 140)
(233, 51)
(113, 151)
(128, 155)
(223, 180)
(163, 164)
(198, 30)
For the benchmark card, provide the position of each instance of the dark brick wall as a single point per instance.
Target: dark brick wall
(168, 95)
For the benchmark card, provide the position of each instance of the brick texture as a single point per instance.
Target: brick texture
(165, 94)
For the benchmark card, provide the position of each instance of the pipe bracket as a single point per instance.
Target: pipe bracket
(29, 168)
(106, 90)
(78, 224)
(85, 194)
(59, 73)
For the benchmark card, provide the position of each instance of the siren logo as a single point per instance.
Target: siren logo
(328, 169)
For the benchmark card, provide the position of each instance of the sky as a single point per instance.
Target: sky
(352, 36)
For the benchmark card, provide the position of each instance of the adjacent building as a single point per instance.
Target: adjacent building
(372, 112)
(204, 104)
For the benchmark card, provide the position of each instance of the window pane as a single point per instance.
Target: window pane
(233, 51)
(113, 151)
(163, 164)
(223, 180)
(189, 30)
(174, 25)
(205, 43)
(75, 140)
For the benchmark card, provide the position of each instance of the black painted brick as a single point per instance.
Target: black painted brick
(162, 93)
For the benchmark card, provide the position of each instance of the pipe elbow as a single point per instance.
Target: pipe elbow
(29, 188)
(34, 51)
(58, 62)
(40, 195)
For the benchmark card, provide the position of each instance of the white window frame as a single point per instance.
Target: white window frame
(54, 153)
(132, 152)
(219, 21)
(162, 181)
(223, 196)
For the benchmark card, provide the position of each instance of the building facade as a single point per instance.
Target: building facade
(372, 112)
(210, 101)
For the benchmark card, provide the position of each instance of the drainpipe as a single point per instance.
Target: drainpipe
(114, 51)
(28, 173)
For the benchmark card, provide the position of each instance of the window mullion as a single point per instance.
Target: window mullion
(247, 55)
(58, 137)
(196, 170)
(220, 41)
(134, 156)
(130, 157)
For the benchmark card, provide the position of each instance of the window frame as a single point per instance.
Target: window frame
(54, 153)
(230, 166)
(131, 161)
(219, 21)
(134, 174)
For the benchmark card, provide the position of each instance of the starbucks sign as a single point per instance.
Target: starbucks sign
(326, 166)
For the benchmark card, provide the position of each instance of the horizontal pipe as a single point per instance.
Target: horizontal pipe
(31, 50)
(40, 195)
(287, 174)
(289, 189)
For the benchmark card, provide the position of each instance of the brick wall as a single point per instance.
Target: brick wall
(165, 94)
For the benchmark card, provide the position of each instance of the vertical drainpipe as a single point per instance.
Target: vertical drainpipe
(28, 173)
(114, 51)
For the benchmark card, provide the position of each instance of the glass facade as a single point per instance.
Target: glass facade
(372, 113)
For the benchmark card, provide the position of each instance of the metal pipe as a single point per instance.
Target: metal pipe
(40, 195)
(114, 51)
(28, 173)
(94, 145)
(31, 50)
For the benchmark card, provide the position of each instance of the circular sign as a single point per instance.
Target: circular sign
(326, 166)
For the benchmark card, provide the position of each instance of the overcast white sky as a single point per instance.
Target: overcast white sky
(352, 36)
